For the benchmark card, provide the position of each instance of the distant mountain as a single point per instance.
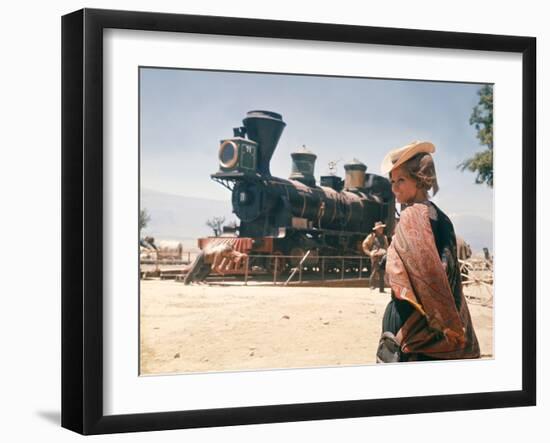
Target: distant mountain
(476, 231)
(177, 217)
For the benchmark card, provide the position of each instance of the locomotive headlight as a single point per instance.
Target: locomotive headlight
(228, 154)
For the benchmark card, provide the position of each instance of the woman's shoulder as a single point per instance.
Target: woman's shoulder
(425, 208)
(414, 215)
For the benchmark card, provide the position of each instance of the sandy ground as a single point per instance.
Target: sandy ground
(220, 328)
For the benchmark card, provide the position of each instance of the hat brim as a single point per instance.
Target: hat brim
(397, 157)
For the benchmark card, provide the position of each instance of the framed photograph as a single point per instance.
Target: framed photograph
(268, 221)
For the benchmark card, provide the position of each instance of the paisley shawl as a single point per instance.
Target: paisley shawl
(440, 326)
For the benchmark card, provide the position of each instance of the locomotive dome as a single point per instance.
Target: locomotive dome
(355, 174)
(303, 166)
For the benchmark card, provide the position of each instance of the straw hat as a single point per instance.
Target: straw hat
(377, 225)
(397, 157)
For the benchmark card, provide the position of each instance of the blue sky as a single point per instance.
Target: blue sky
(185, 113)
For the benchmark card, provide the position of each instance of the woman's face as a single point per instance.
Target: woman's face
(403, 186)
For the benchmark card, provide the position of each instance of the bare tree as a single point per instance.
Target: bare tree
(216, 224)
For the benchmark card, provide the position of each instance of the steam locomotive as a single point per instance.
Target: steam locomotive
(292, 216)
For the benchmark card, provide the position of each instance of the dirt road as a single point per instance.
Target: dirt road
(204, 328)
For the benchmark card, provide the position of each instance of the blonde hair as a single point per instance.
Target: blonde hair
(421, 168)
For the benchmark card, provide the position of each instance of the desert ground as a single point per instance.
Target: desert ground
(228, 328)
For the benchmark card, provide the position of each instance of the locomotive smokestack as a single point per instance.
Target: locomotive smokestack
(265, 128)
(355, 174)
(303, 166)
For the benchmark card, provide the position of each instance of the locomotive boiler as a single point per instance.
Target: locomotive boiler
(291, 216)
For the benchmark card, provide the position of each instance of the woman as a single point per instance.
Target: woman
(428, 317)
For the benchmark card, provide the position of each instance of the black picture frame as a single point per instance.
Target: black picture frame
(82, 219)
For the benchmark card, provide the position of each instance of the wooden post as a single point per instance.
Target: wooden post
(360, 267)
(342, 269)
(246, 271)
(323, 268)
(275, 270)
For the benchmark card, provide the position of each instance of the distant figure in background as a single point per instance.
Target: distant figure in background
(463, 249)
(217, 258)
(488, 258)
(463, 252)
(375, 246)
